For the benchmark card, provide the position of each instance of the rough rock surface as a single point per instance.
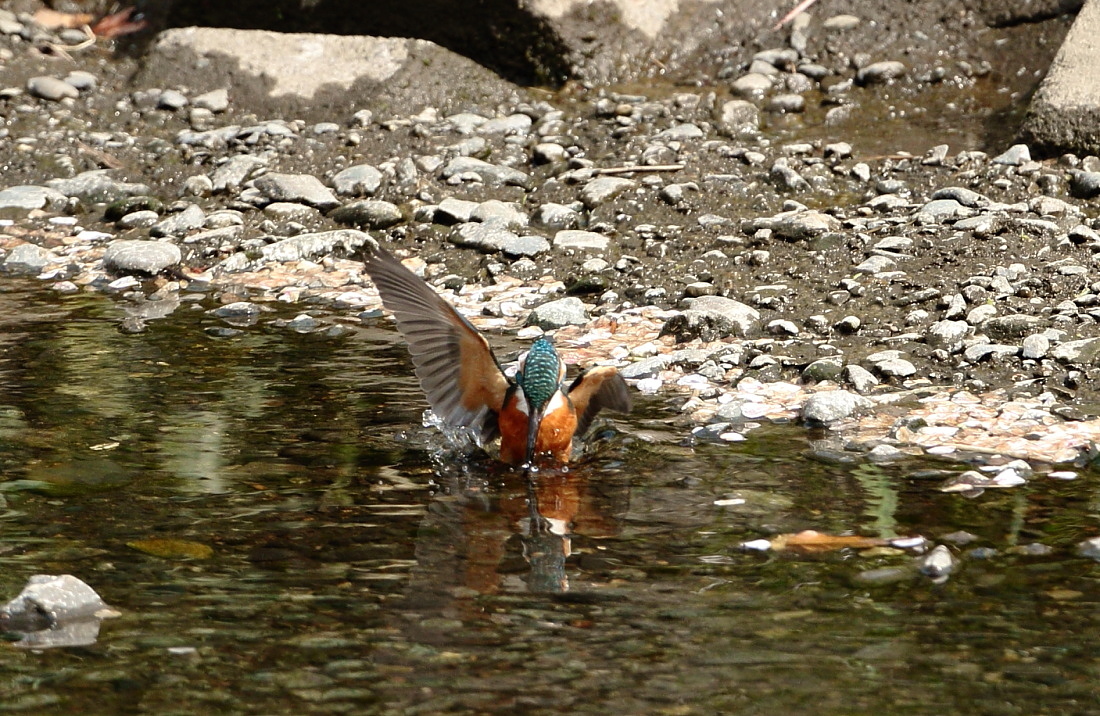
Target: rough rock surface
(1062, 116)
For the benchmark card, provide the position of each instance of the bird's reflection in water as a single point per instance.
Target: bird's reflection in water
(512, 531)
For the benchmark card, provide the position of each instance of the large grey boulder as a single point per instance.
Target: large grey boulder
(1062, 116)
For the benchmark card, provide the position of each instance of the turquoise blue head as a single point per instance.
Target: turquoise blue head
(540, 374)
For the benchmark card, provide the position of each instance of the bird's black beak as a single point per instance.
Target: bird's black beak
(533, 422)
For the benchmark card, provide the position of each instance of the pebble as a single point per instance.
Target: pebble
(149, 257)
(483, 237)
(97, 186)
(368, 214)
(880, 72)
(738, 116)
(751, 86)
(33, 197)
(299, 188)
(938, 564)
(602, 189)
(491, 174)
(180, 223)
(580, 240)
(27, 259)
(358, 180)
(51, 88)
(830, 406)
(557, 314)
(1014, 156)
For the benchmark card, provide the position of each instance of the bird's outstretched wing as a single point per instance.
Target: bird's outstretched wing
(596, 389)
(457, 370)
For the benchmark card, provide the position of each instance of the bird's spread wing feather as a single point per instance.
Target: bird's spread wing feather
(596, 389)
(457, 370)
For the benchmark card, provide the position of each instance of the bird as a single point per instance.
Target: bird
(534, 414)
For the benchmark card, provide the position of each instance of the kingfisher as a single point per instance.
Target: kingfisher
(535, 416)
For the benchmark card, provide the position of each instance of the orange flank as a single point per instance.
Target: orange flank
(555, 436)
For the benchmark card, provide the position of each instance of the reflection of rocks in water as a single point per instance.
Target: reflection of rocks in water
(54, 611)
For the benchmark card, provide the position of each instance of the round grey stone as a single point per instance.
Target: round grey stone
(171, 100)
(502, 214)
(1014, 156)
(180, 223)
(569, 311)
(51, 88)
(556, 216)
(82, 81)
(583, 240)
(738, 116)
(833, 405)
(27, 259)
(33, 197)
(880, 72)
(483, 237)
(358, 180)
(602, 189)
(214, 100)
(145, 256)
(300, 188)
(368, 213)
(528, 245)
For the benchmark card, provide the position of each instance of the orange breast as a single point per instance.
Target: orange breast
(555, 433)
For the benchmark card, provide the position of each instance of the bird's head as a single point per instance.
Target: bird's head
(540, 375)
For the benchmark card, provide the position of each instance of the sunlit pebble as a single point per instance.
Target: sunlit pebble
(732, 437)
(693, 380)
(65, 287)
(182, 650)
(757, 545)
(756, 410)
(919, 544)
(1008, 478)
(941, 450)
(63, 220)
(89, 235)
(649, 386)
(529, 332)
(1063, 475)
(1019, 466)
(510, 308)
(123, 283)
(7, 222)
(731, 502)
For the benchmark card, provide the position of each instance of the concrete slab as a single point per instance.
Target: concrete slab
(531, 42)
(1065, 114)
(308, 76)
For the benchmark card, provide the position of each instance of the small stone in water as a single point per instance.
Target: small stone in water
(938, 564)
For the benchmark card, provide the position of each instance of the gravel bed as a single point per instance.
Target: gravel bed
(942, 302)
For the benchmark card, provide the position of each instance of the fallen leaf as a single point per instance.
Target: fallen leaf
(172, 548)
(54, 20)
(813, 541)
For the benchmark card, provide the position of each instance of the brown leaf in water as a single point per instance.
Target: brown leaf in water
(172, 548)
(810, 541)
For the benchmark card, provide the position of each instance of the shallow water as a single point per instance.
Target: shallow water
(266, 513)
